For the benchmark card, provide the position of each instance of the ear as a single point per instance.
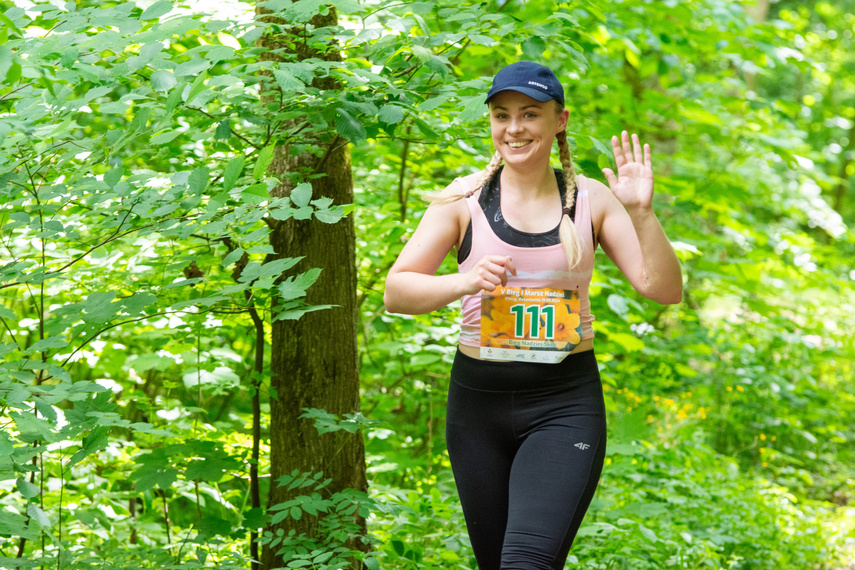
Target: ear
(563, 117)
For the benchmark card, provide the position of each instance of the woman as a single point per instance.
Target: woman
(526, 426)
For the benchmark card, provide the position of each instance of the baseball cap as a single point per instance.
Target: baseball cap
(529, 78)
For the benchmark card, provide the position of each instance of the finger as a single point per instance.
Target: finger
(492, 271)
(616, 150)
(648, 162)
(511, 267)
(610, 177)
(627, 150)
(490, 280)
(636, 149)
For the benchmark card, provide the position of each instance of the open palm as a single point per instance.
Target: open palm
(633, 184)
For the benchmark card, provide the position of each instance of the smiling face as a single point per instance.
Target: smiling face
(523, 129)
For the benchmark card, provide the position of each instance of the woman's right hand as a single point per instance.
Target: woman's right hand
(490, 272)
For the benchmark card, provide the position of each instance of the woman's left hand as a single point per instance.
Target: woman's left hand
(633, 184)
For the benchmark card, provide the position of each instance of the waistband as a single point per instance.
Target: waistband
(494, 376)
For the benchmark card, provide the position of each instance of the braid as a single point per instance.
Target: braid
(488, 173)
(446, 196)
(567, 231)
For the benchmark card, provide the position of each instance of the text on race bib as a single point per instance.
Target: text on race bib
(531, 325)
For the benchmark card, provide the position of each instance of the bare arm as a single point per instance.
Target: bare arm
(412, 286)
(630, 232)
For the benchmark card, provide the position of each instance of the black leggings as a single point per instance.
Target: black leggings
(527, 443)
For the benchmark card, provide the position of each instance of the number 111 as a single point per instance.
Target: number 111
(534, 312)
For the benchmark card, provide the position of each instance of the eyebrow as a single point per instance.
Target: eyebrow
(521, 108)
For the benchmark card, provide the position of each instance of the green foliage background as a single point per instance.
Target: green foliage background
(134, 144)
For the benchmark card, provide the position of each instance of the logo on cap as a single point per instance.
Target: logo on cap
(536, 84)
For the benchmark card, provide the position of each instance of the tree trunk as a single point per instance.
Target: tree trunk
(314, 359)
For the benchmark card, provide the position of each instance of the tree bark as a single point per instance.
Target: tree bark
(314, 360)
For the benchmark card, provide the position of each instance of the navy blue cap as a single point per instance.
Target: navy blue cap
(529, 78)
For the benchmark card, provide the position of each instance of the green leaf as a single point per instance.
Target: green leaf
(295, 313)
(192, 67)
(8, 347)
(288, 82)
(144, 427)
(164, 137)
(303, 10)
(273, 268)
(198, 180)
(232, 172)
(259, 190)
(46, 344)
(13, 524)
(295, 287)
(533, 48)
(99, 307)
(224, 131)
(209, 527)
(347, 126)
(7, 313)
(648, 534)
(391, 114)
(331, 215)
(157, 10)
(94, 442)
(473, 108)
(149, 476)
(265, 157)
(135, 304)
(301, 195)
(163, 80)
(27, 489)
(113, 176)
(255, 518)
(232, 257)
(6, 61)
(38, 515)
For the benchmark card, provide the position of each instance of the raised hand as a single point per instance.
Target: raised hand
(633, 185)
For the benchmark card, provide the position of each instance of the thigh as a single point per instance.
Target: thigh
(553, 479)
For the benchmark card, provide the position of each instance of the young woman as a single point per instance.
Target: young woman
(526, 429)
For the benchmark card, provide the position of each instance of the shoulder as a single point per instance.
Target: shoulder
(600, 196)
(469, 182)
(603, 204)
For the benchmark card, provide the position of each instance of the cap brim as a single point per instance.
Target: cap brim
(535, 94)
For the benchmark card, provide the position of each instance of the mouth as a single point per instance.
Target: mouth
(519, 144)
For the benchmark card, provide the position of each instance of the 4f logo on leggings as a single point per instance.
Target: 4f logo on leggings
(582, 446)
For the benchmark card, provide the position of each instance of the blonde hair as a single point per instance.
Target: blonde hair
(568, 233)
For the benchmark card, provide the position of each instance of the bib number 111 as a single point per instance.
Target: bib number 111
(534, 316)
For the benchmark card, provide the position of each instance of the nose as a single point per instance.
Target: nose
(515, 126)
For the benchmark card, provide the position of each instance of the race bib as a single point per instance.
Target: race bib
(529, 325)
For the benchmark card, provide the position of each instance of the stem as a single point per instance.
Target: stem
(166, 515)
(402, 195)
(59, 528)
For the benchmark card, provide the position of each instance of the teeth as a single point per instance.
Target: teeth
(518, 144)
